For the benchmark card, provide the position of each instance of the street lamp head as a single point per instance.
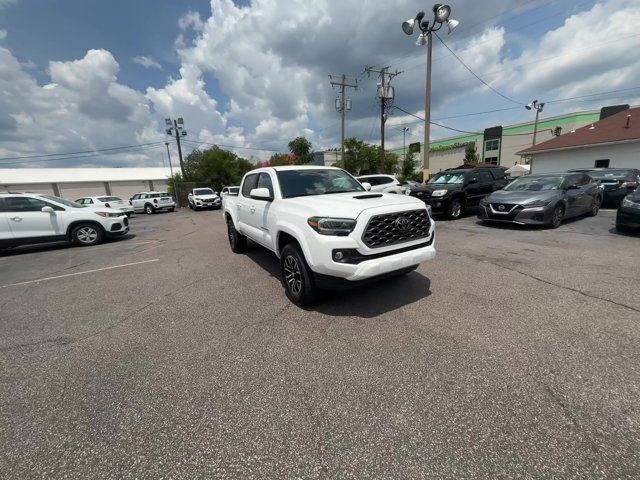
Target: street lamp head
(451, 24)
(407, 27)
(167, 122)
(441, 12)
(422, 39)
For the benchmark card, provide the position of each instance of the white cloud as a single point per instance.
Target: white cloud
(147, 62)
(82, 107)
(6, 3)
(3, 34)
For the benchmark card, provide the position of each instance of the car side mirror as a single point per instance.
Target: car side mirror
(261, 194)
(190, 195)
(367, 186)
(473, 180)
(47, 209)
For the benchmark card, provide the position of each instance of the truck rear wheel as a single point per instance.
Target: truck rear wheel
(297, 277)
(237, 241)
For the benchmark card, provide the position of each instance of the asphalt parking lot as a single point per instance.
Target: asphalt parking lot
(515, 354)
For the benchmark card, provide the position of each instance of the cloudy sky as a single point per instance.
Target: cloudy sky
(86, 75)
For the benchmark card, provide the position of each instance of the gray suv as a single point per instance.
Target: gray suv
(543, 199)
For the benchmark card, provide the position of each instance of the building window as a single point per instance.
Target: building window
(491, 145)
(491, 160)
(602, 163)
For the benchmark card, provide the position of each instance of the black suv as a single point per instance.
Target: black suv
(451, 191)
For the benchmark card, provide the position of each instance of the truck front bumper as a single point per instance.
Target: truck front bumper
(355, 267)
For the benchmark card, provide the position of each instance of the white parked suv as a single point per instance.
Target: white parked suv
(327, 230)
(152, 202)
(32, 218)
(109, 202)
(384, 183)
(203, 198)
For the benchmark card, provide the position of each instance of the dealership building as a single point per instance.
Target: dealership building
(500, 145)
(73, 183)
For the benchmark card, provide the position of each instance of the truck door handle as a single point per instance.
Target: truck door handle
(16, 219)
(253, 209)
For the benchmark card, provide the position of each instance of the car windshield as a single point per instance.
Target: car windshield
(447, 178)
(614, 176)
(303, 182)
(203, 191)
(534, 184)
(62, 201)
(109, 199)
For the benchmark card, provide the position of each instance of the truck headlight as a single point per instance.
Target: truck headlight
(439, 193)
(332, 226)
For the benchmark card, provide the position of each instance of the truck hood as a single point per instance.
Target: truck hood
(351, 205)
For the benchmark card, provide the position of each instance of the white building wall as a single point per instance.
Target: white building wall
(624, 155)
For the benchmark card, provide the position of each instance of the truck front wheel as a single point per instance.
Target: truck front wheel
(297, 277)
(237, 241)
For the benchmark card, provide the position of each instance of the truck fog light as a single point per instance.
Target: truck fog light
(338, 256)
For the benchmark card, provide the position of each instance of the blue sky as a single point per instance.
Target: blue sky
(90, 74)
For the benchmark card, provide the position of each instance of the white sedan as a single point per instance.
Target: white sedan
(107, 202)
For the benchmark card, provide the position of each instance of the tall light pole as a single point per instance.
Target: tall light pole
(175, 191)
(441, 15)
(538, 106)
(404, 143)
(343, 104)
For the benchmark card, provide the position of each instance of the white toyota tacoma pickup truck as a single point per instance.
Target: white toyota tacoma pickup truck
(327, 230)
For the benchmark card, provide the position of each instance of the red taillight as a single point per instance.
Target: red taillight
(155, 200)
(130, 202)
(107, 205)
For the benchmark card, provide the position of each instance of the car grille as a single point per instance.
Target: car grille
(503, 207)
(394, 228)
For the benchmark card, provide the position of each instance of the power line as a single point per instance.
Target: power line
(475, 75)
(79, 157)
(85, 151)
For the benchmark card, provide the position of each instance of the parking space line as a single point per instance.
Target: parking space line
(78, 273)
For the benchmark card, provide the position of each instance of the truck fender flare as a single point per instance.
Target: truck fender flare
(297, 234)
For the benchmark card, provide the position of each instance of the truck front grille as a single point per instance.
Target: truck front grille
(394, 228)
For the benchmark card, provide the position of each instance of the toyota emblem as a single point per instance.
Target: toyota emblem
(402, 223)
(501, 208)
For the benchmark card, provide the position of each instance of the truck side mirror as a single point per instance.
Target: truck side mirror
(261, 194)
(367, 186)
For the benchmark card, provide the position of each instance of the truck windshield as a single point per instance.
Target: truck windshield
(305, 182)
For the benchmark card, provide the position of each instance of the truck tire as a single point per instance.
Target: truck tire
(297, 277)
(237, 241)
(455, 208)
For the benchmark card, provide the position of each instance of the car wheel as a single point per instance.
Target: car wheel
(148, 209)
(595, 207)
(237, 241)
(296, 276)
(455, 209)
(191, 206)
(86, 234)
(557, 216)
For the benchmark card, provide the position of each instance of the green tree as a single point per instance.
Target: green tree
(279, 159)
(390, 163)
(360, 157)
(408, 170)
(301, 148)
(214, 167)
(471, 154)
